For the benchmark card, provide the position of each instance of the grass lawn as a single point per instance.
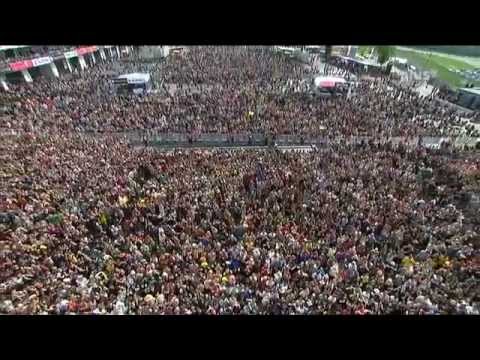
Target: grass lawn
(474, 61)
(439, 64)
(364, 50)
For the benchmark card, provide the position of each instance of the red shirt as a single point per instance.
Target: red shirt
(73, 306)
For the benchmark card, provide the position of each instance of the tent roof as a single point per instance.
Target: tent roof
(400, 60)
(8, 47)
(136, 77)
(363, 62)
(474, 91)
(328, 81)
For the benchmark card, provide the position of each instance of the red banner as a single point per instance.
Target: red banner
(85, 50)
(20, 65)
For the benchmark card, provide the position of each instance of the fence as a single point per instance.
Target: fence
(159, 138)
(152, 137)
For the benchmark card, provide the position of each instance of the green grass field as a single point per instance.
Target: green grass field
(364, 50)
(439, 64)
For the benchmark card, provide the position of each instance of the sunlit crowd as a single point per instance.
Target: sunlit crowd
(95, 225)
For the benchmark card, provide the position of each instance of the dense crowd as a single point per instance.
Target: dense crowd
(94, 226)
(225, 90)
(91, 224)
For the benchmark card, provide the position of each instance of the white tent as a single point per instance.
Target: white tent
(8, 47)
(285, 50)
(328, 81)
(365, 62)
(136, 78)
(401, 61)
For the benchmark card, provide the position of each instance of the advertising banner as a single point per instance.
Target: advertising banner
(42, 61)
(86, 50)
(70, 54)
(20, 65)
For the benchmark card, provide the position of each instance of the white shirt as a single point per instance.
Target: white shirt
(120, 308)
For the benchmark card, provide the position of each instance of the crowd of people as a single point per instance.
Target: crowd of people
(95, 225)
(225, 90)
(24, 53)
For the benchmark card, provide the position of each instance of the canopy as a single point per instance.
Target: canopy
(136, 78)
(8, 47)
(358, 61)
(328, 81)
(472, 91)
(285, 49)
(400, 60)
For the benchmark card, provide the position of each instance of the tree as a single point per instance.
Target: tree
(384, 53)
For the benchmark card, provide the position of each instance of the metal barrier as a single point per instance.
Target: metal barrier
(155, 137)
